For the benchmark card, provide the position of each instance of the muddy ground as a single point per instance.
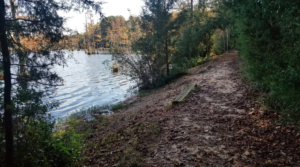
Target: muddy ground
(220, 123)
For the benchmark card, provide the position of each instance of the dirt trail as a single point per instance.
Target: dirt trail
(216, 73)
(219, 123)
(197, 132)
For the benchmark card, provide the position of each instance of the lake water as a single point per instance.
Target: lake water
(89, 81)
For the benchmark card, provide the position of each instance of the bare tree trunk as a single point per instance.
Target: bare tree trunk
(167, 54)
(224, 39)
(229, 38)
(71, 42)
(85, 37)
(7, 89)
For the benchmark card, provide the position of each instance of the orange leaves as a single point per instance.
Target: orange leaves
(271, 138)
(118, 31)
(33, 43)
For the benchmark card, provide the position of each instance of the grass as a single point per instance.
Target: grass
(147, 92)
(111, 139)
(118, 106)
(91, 112)
(131, 158)
(115, 67)
(77, 116)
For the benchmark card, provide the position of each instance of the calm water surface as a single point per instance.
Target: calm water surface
(89, 81)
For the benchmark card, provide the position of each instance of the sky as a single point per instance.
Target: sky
(110, 8)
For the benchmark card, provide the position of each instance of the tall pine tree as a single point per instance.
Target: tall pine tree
(154, 44)
(36, 19)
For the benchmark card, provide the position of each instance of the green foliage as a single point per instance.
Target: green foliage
(84, 113)
(37, 145)
(66, 148)
(197, 38)
(218, 42)
(154, 47)
(268, 42)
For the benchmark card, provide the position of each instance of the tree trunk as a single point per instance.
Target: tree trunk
(224, 39)
(21, 55)
(167, 54)
(227, 41)
(7, 89)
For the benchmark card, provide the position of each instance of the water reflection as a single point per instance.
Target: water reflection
(89, 81)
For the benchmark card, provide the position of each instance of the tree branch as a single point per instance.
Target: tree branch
(29, 79)
(25, 20)
(44, 65)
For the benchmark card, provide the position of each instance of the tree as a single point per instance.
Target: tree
(117, 31)
(133, 29)
(7, 87)
(181, 5)
(152, 50)
(268, 43)
(156, 25)
(104, 25)
(41, 19)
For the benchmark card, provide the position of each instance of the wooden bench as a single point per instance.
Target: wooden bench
(184, 93)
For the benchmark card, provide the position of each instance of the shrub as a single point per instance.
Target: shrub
(37, 145)
(36, 141)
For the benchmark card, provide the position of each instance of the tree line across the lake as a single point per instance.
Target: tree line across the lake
(111, 31)
(168, 38)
